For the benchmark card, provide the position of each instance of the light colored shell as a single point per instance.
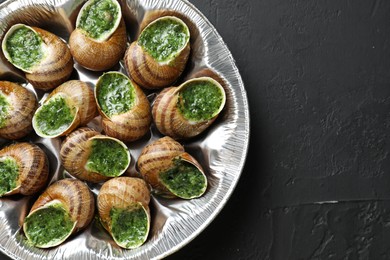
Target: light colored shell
(133, 124)
(170, 121)
(75, 152)
(95, 55)
(158, 157)
(148, 72)
(77, 94)
(76, 198)
(122, 192)
(23, 104)
(57, 65)
(33, 167)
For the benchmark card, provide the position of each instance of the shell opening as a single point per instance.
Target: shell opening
(200, 99)
(129, 227)
(114, 94)
(164, 38)
(55, 116)
(23, 47)
(49, 225)
(9, 174)
(99, 19)
(108, 157)
(4, 110)
(184, 179)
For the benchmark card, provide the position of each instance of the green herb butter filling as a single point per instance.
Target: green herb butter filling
(108, 158)
(164, 38)
(55, 116)
(9, 174)
(115, 94)
(200, 100)
(48, 226)
(24, 47)
(99, 18)
(4, 107)
(129, 227)
(184, 180)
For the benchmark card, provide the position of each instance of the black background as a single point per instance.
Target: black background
(316, 180)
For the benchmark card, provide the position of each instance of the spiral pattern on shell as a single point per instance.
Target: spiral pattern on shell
(75, 152)
(22, 105)
(58, 65)
(152, 74)
(76, 197)
(33, 167)
(158, 157)
(169, 119)
(98, 56)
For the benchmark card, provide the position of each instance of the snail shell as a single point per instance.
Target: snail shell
(124, 193)
(168, 115)
(33, 170)
(128, 125)
(79, 97)
(76, 152)
(56, 64)
(148, 71)
(16, 111)
(98, 54)
(159, 157)
(74, 197)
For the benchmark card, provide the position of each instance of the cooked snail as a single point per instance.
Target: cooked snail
(124, 108)
(171, 171)
(90, 156)
(124, 211)
(160, 54)
(64, 208)
(186, 111)
(17, 106)
(44, 57)
(23, 169)
(99, 40)
(68, 106)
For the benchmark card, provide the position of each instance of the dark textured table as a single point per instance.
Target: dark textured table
(316, 180)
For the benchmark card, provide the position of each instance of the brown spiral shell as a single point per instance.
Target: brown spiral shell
(148, 72)
(158, 157)
(75, 151)
(170, 121)
(23, 104)
(76, 197)
(98, 56)
(79, 95)
(33, 167)
(131, 125)
(57, 65)
(121, 192)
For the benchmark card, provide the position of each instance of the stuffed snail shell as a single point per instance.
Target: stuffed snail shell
(99, 40)
(160, 54)
(124, 212)
(68, 106)
(171, 171)
(90, 156)
(186, 111)
(23, 169)
(124, 107)
(64, 208)
(43, 56)
(17, 106)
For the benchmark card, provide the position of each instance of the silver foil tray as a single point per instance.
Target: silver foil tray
(221, 150)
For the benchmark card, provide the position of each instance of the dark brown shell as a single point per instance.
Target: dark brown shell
(98, 56)
(23, 105)
(33, 167)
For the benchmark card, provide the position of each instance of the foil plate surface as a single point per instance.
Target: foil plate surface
(221, 150)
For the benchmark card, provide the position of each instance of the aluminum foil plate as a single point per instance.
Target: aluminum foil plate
(221, 150)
